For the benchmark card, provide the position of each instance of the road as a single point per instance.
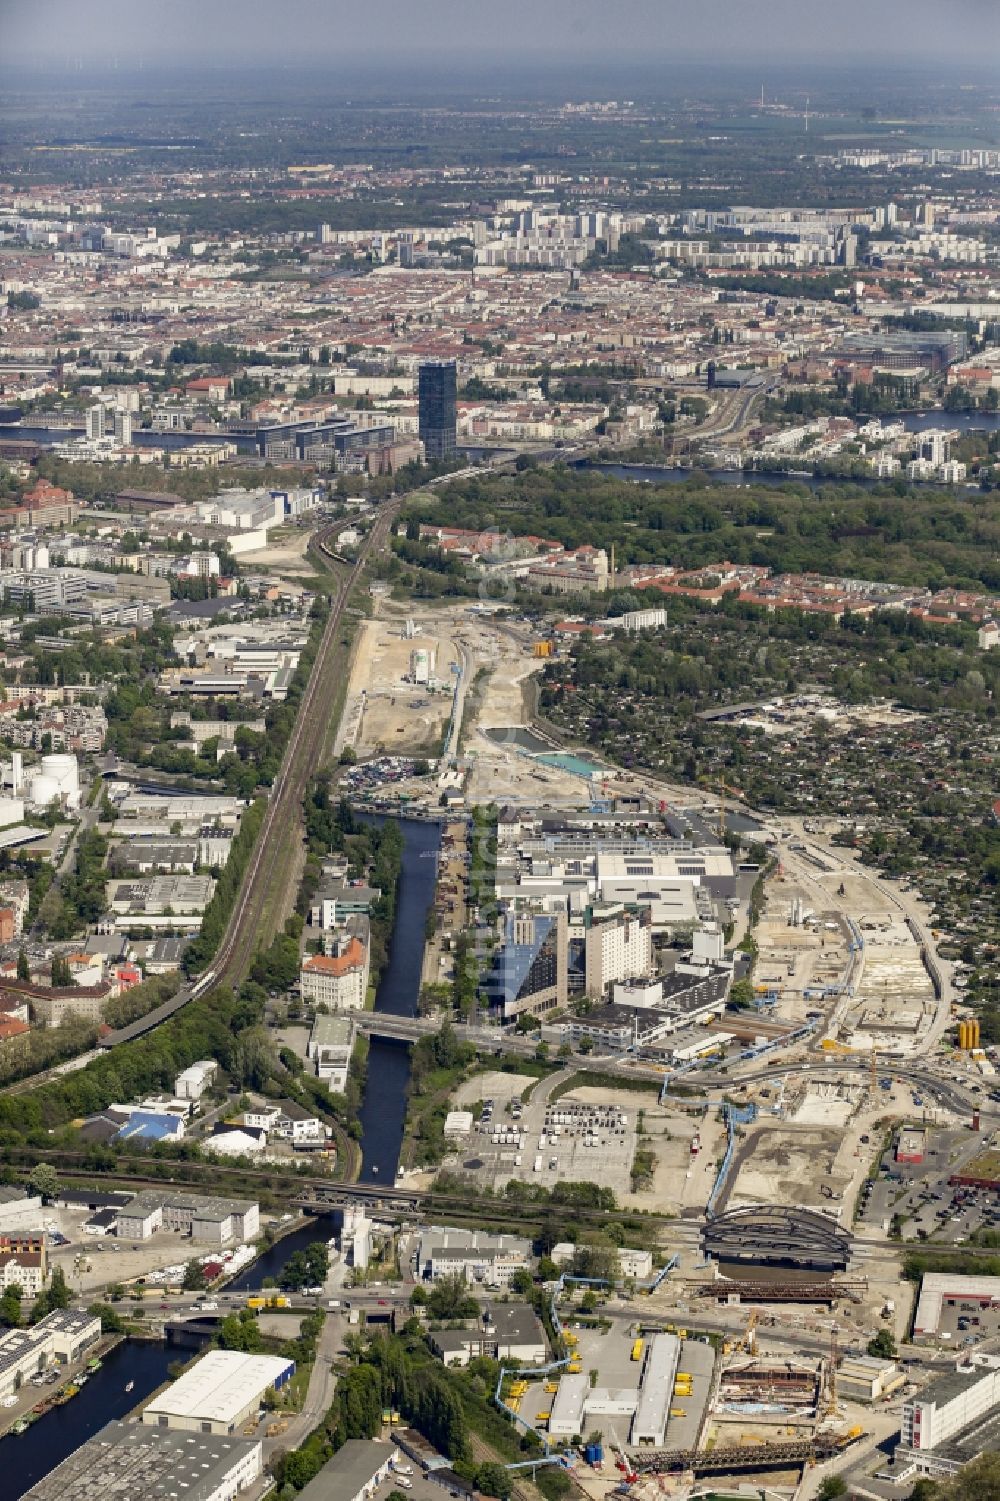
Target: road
(319, 1394)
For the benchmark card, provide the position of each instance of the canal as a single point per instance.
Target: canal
(27, 1457)
(383, 1107)
(31, 1455)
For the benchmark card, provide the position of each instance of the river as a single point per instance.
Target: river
(383, 1108)
(27, 1457)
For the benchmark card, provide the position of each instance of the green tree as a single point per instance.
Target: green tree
(23, 967)
(43, 1181)
(978, 1481)
(59, 1293)
(195, 1280)
(10, 1306)
(741, 995)
(450, 1298)
(111, 1322)
(494, 1480)
(239, 1331)
(882, 1345)
(832, 1487)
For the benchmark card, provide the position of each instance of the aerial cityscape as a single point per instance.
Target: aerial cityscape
(499, 751)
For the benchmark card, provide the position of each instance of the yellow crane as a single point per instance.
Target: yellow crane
(750, 1333)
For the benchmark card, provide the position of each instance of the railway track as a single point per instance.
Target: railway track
(302, 757)
(269, 860)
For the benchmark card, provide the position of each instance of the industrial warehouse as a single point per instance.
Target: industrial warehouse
(219, 1393)
(126, 1461)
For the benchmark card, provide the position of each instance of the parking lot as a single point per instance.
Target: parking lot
(963, 1322)
(542, 1143)
(918, 1194)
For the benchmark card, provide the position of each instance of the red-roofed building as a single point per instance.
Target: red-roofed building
(209, 387)
(44, 505)
(340, 979)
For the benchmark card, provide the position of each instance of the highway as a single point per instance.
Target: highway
(248, 924)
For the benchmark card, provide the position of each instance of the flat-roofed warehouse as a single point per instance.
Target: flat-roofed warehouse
(937, 1288)
(128, 1462)
(219, 1393)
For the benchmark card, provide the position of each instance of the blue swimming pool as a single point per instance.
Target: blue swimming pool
(574, 764)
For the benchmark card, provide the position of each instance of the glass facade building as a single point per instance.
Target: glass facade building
(438, 423)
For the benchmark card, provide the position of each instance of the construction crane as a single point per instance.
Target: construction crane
(830, 1404)
(750, 1333)
(629, 1475)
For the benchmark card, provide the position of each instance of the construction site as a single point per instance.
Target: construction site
(659, 1400)
(402, 683)
(839, 950)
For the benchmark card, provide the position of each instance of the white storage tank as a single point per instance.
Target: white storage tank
(43, 790)
(63, 768)
(64, 771)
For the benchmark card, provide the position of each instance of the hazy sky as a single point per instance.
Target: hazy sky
(389, 31)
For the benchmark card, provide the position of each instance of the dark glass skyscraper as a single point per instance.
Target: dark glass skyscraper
(438, 385)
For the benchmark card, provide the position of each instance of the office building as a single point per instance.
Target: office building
(618, 945)
(506, 1332)
(529, 972)
(953, 1419)
(438, 421)
(339, 979)
(330, 1045)
(219, 1393)
(475, 1255)
(127, 1462)
(95, 422)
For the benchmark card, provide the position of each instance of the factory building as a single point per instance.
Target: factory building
(215, 1220)
(219, 1393)
(126, 1460)
(578, 1407)
(937, 1288)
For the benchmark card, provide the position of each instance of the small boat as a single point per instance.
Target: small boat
(95, 1364)
(129, 1385)
(20, 1427)
(374, 1168)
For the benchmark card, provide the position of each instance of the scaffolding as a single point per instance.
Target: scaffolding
(737, 1457)
(783, 1292)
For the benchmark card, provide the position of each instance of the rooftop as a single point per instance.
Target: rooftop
(126, 1461)
(352, 1467)
(218, 1387)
